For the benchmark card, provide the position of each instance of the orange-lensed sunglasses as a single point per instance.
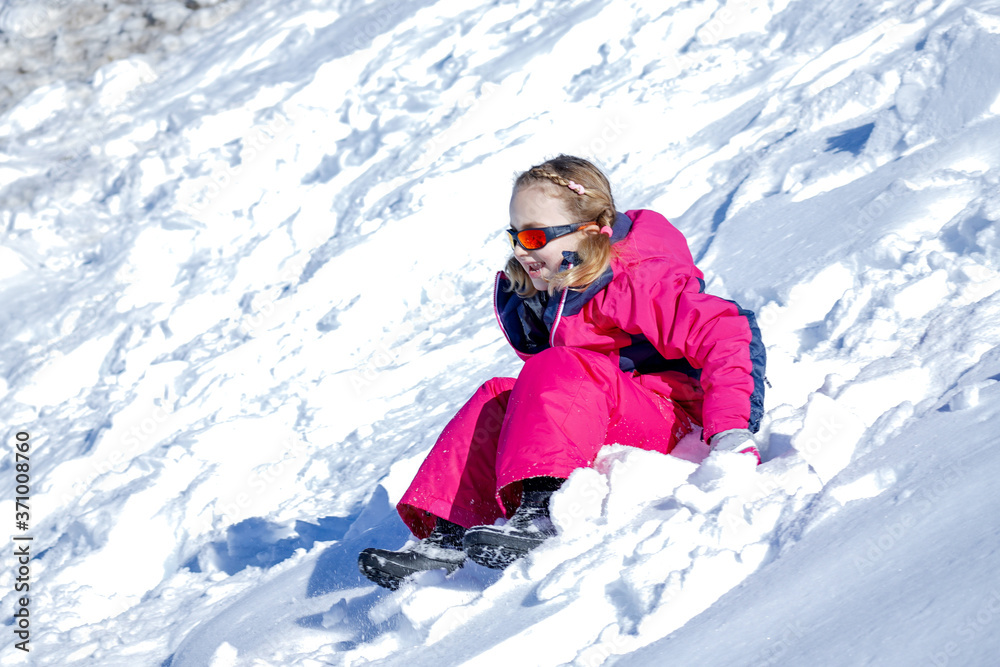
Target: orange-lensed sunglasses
(533, 239)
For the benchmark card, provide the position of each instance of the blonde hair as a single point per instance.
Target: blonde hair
(596, 203)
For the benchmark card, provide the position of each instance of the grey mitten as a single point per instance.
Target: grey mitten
(738, 440)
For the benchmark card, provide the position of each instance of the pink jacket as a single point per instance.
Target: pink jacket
(650, 314)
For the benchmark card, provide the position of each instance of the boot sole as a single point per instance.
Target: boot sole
(387, 570)
(495, 549)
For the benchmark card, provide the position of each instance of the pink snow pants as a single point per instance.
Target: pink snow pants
(565, 405)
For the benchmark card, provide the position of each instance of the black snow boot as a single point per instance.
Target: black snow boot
(499, 546)
(442, 549)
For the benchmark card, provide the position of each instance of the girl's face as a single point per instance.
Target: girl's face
(537, 206)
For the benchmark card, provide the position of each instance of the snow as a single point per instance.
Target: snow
(246, 270)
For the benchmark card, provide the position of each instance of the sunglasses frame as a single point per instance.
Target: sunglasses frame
(551, 233)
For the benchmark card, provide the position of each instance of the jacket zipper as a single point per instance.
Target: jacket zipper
(559, 311)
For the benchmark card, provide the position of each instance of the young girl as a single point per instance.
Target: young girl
(621, 345)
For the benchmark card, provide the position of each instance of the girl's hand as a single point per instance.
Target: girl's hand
(738, 440)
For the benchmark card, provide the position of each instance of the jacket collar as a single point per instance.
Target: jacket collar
(519, 318)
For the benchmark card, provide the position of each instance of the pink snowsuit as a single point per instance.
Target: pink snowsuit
(639, 358)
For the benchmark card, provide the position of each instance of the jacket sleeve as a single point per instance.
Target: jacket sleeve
(668, 306)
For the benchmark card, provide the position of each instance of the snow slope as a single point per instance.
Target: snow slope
(246, 284)
(66, 41)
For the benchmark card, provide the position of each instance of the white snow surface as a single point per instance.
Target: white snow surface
(64, 41)
(247, 282)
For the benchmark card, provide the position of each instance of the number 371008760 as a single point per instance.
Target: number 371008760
(22, 467)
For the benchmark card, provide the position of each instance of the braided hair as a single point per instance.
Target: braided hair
(586, 195)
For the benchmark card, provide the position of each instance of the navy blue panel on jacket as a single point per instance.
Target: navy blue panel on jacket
(528, 323)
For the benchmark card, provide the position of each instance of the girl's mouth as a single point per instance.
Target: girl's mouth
(535, 269)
